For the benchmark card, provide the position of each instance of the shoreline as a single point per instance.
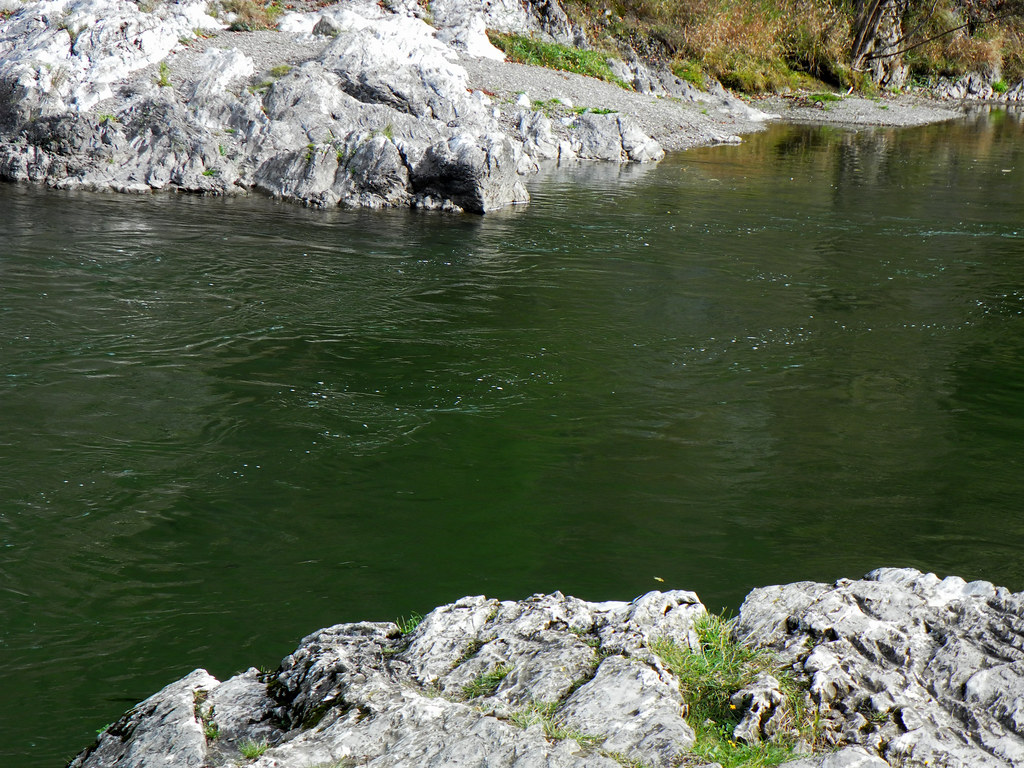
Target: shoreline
(350, 104)
(711, 118)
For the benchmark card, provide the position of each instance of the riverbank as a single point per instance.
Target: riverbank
(355, 104)
(899, 668)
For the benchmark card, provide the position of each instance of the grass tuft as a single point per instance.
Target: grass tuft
(487, 683)
(163, 79)
(710, 674)
(543, 713)
(529, 50)
(205, 715)
(251, 749)
(407, 625)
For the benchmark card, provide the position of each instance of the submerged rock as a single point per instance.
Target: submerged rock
(903, 669)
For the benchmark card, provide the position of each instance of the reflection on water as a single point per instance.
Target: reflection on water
(225, 423)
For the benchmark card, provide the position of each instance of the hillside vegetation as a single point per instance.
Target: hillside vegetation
(773, 45)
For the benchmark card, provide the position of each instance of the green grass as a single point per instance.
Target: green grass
(690, 71)
(624, 761)
(406, 625)
(472, 649)
(708, 677)
(388, 132)
(825, 97)
(528, 50)
(280, 70)
(1000, 86)
(205, 715)
(164, 78)
(250, 749)
(543, 712)
(553, 107)
(486, 683)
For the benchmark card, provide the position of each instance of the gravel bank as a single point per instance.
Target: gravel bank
(895, 111)
(676, 124)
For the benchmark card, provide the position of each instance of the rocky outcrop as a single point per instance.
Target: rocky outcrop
(902, 669)
(976, 87)
(920, 670)
(361, 103)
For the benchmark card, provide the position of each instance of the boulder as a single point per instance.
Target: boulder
(612, 137)
(478, 175)
(544, 19)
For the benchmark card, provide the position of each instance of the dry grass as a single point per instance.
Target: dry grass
(773, 45)
(959, 52)
(1013, 53)
(763, 46)
(250, 15)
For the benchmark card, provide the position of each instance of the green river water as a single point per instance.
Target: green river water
(227, 423)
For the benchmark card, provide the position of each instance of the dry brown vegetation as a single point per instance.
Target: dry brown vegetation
(773, 45)
(250, 15)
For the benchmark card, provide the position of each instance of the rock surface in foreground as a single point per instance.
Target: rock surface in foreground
(906, 670)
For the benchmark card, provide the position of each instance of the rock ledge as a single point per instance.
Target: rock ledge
(903, 668)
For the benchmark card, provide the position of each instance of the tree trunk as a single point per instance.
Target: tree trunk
(878, 27)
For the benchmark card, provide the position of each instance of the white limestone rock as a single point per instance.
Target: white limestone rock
(936, 663)
(64, 55)
(167, 725)
(614, 138)
(639, 712)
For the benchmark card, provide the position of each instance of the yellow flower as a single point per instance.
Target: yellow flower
(732, 706)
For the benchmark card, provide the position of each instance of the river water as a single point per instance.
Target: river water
(227, 423)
